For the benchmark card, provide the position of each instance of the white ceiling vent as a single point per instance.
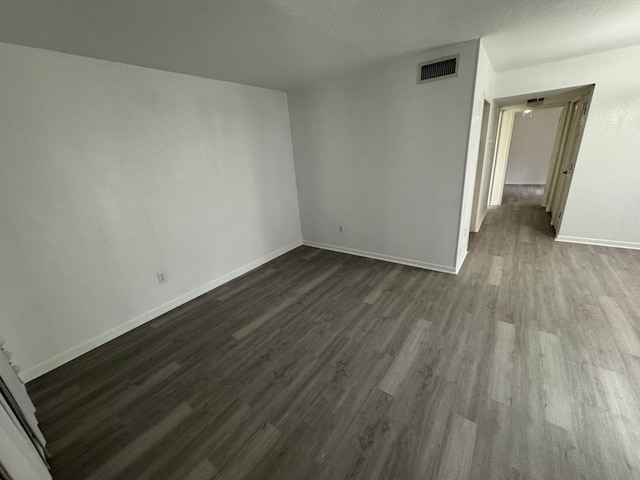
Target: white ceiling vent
(438, 69)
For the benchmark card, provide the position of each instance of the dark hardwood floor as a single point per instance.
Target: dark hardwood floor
(321, 365)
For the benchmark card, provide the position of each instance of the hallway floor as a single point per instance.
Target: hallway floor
(325, 365)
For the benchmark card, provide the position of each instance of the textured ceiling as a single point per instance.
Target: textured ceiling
(285, 43)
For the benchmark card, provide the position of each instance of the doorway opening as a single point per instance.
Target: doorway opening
(547, 160)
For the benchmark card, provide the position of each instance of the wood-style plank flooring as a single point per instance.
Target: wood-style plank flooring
(321, 365)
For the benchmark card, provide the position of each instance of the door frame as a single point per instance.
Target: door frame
(567, 143)
(474, 224)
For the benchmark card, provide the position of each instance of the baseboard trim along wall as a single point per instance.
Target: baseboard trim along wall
(461, 262)
(30, 373)
(479, 225)
(599, 242)
(386, 258)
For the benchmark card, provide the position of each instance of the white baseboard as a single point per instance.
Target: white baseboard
(41, 368)
(386, 258)
(479, 224)
(599, 242)
(524, 182)
(461, 261)
(483, 217)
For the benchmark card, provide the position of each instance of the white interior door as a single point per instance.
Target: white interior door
(580, 109)
(503, 145)
(21, 397)
(22, 446)
(565, 142)
(19, 459)
(554, 164)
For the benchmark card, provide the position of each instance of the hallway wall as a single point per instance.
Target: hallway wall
(532, 143)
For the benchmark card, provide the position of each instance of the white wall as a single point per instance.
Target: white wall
(110, 173)
(483, 90)
(385, 157)
(532, 143)
(604, 200)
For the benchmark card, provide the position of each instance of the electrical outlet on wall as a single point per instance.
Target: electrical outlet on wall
(340, 228)
(162, 277)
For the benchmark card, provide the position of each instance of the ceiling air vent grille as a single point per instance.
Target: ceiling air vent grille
(441, 68)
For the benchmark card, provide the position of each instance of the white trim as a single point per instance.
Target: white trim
(479, 224)
(381, 256)
(599, 242)
(523, 182)
(459, 265)
(483, 219)
(41, 368)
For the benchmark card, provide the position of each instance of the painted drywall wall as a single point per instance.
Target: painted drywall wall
(604, 201)
(110, 174)
(483, 90)
(531, 146)
(385, 156)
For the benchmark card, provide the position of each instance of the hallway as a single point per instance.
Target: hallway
(575, 310)
(325, 365)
